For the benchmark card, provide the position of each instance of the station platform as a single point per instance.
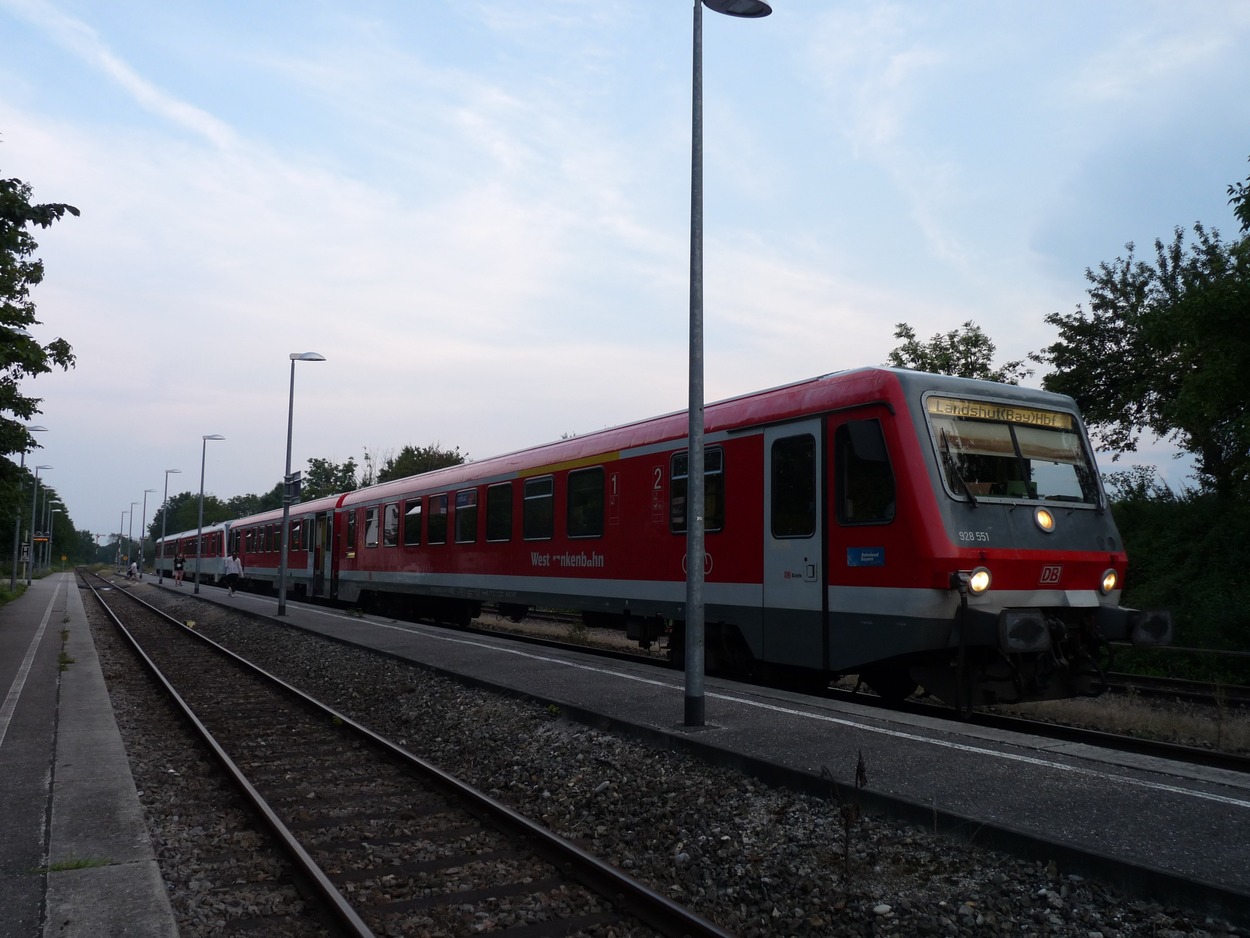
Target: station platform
(1149, 827)
(75, 857)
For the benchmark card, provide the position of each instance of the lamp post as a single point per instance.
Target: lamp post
(17, 522)
(34, 519)
(51, 503)
(160, 568)
(54, 511)
(695, 550)
(120, 522)
(130, 533)
(143, 534)
(286, 478)
(199, 535)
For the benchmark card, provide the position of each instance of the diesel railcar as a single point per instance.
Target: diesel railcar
(913, 529)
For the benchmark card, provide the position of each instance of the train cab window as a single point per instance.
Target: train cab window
(371, 527)
(794, 486)
(1011, 451)
(538, 523)
(390, 525)
(586, 503)
(438, 519)
(412, 523)
(499, 512)
(466, 516)
(713, 490)
(864, 480)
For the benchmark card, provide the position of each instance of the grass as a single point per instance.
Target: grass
(74, 863)
(1221, 728)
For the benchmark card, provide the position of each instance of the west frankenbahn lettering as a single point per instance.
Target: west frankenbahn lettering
(582, 559)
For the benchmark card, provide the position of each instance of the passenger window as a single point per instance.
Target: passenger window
(466, 516)
(390, 526)
(412, 523)
(865, 481)
(350, 546)
(499, 512)
(371, 527)
(794, 486)
(438, 519)
(713, 490)
(539, 521)
(586, 503)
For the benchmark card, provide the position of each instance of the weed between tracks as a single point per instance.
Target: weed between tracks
(1220, 727)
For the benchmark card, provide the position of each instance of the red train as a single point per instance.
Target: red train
(914, 529)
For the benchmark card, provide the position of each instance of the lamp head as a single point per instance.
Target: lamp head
(746, 8)
(306, 357)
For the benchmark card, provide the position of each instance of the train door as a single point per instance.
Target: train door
(794, 605)
(323, 555)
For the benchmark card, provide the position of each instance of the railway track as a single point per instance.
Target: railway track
(385, 842)
(549, 625)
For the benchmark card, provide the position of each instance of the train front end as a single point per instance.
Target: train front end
(1035, 565)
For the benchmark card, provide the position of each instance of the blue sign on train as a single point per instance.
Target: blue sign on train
(865, 556)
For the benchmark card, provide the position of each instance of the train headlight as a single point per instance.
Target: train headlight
(979, 581)
(1110, 580)
(1043, 518)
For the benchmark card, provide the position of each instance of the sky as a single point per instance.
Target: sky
(479, 211)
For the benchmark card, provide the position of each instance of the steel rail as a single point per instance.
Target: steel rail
(324, 888)
(653, 908)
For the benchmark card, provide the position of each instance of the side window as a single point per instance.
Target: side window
(438, 519)
(295, 538)
(247, 539)
(865, 481)
(539, 521)
(794, 486)
(350, 546)
(466, 516)
(390, 525)
(586, 503)
(306, 533)
(371, 527)
(499, 512)
(412, 522)
(713, 490)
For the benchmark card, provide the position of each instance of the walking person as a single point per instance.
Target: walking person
(234, 569)
(179, 563)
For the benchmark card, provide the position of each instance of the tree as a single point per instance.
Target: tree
(1239, 199)
(21, 356)
(1164, 349)
(325, 477)
(414, 460)
(966, 352)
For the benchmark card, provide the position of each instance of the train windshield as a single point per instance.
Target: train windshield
(1008, 451)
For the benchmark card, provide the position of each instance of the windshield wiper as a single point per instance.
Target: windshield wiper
(953, 468)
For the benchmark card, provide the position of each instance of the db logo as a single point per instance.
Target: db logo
(1051, 574)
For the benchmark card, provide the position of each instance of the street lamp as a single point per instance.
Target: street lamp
(130, 532)
(143, 534)
(51, 503)
(120, 522)
(286, 478)
(17, 522)
(160, 567)
(199, 535)
(54, 511)
(695, 551)
(34, 519)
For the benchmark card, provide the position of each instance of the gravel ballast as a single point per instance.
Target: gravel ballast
(756, 860)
